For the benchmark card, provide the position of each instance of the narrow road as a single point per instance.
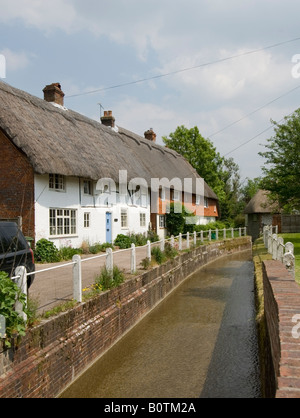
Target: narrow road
(54, 287)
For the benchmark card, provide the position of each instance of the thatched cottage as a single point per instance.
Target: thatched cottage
(260, 212)
(70, 179)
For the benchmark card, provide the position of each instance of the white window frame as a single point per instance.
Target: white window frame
(57, 182)
(162, 221)
(124, 218)
(87, 220)
(142, 220)
(198, 200)
(206, 205)
(62, 222)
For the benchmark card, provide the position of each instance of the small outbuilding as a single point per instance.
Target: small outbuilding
(261, 212)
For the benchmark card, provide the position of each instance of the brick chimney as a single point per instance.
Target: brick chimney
(108, 119)
(54, 94)
(150, 135)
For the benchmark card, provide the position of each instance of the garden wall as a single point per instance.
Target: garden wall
(57, 351)
(282, 316)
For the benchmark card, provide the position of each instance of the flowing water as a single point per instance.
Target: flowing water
(199, 342)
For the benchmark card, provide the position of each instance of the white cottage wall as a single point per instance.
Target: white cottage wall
(90, 214)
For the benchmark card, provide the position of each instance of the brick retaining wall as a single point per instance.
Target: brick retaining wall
(54, 353)
(282, 303)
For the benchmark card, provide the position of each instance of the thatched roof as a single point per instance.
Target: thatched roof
(61, 141)
(260, 203)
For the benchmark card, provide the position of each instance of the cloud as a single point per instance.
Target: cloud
(16, 60)
(41, 14)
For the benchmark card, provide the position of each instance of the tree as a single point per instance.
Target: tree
(250, 189)
(282, 169)
(199, 152)
(221, 174)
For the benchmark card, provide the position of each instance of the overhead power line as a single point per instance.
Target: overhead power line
(184, 69)
(254, 111)
(254, 137)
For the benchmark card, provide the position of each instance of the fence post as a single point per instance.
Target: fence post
(289, 262)
(289, 247)
(133, 259)
(21, 282)
(172, 241)
(162, 244)
(232, 232)
(180, 241)
(240, 232)
(280, 252)
(187, 240)
(201, 236)
(245, 231)
(77, 278)
(224, 234)
(266, 235)
(149, 250)
(195, 238)
(274, 246)
(109, 262)
(209, 235)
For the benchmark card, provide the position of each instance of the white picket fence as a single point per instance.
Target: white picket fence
(279, 251)
(182, 241)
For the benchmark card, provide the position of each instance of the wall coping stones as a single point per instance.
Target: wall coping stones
(282, 313)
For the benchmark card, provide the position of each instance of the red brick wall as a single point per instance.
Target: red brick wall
(282, 303)
(16, 186)
(52, 354)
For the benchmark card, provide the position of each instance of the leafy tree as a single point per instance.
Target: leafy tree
(221, 174)
(199, 152)
(250, 189)
(282, 169)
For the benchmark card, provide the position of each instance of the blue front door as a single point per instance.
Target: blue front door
(108, 228)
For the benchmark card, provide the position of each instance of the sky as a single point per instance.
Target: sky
(228, 67)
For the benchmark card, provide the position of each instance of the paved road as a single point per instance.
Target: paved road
(54, 287)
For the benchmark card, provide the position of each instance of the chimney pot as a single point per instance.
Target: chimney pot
(54, 94)
(108, 119)
(150, 135)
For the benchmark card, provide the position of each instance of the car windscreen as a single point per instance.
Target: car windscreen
(11, 240)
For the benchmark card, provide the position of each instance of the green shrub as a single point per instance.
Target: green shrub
(67, 253)
(158, 255)
(107, 281)
(9, 293)
(46, 252)
(170, 252)
(123, 241)
(145, 263)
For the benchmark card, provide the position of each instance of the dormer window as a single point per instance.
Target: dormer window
(87, 187)
(57, 182)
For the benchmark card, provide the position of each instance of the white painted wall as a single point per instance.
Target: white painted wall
(74, 198)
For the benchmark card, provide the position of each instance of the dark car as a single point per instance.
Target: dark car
(15, 251)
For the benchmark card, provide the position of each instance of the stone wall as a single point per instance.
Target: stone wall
(282, 316)
(54, 353)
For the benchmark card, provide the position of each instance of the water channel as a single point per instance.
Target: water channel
(199, 342)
